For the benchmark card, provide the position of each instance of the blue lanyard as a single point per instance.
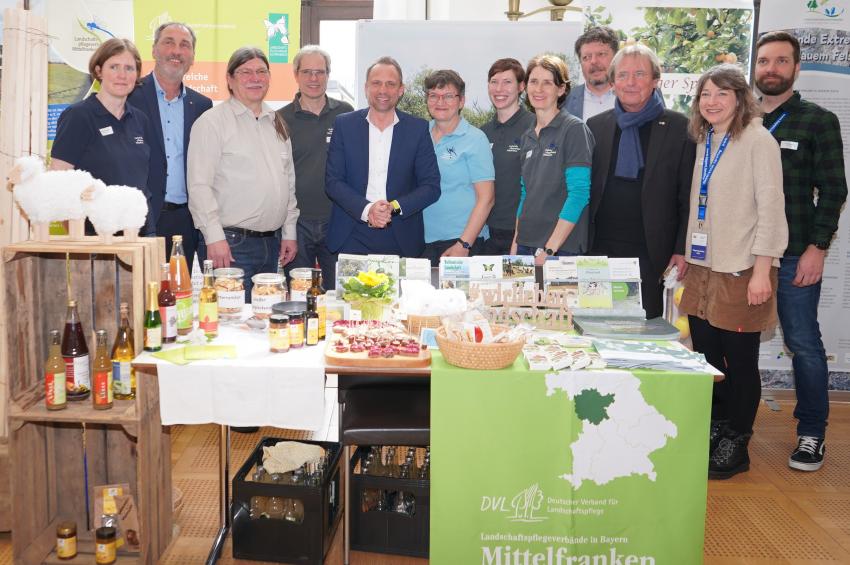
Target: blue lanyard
(778, 121)
(708, 170)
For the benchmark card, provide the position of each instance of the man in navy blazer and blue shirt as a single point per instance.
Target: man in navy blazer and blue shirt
(381, 172)
(172, 108)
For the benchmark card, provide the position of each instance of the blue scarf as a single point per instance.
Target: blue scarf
(629, 153)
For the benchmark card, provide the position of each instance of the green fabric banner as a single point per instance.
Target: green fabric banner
(570, 468)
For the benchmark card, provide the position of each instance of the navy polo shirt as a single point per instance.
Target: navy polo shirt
(112, 150)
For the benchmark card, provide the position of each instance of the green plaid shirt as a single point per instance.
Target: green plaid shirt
(812, 158)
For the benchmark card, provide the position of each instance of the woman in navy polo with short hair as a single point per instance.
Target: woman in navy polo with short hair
(103, 134)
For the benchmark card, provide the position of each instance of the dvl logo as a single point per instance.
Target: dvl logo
(522, 507)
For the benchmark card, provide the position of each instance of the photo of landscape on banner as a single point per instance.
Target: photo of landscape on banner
(568, 468)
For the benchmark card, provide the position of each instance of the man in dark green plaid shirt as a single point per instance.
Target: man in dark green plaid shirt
(812, 165)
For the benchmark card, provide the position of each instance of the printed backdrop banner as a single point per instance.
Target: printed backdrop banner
(823, 28)
(600, 467)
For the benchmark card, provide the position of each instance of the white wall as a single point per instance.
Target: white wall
(466, 10)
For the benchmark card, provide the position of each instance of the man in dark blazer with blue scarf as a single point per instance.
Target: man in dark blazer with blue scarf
(381, 172)
(640, 184)
(172, 108)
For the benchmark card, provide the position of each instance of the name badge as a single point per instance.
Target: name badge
(528, 155)
(106, 131)
(789, 145)
(699, 246)
(328, 139)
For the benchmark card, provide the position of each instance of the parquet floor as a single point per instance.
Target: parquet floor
(769, 516)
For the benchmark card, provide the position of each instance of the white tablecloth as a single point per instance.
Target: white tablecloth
(258, 388)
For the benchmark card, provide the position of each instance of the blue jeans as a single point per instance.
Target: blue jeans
(251, 254)
(312, 248)
(798, 314)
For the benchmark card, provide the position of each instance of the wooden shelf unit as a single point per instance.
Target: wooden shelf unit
(58, 457)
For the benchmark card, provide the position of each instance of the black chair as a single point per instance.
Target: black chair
(391, 413)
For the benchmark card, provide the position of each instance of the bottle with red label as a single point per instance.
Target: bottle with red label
(182, 281)
(75, 352)
(102, 374)
(54, 375)
(167, 307)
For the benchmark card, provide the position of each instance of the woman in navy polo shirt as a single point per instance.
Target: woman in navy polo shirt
(555, 159)
(103, 134)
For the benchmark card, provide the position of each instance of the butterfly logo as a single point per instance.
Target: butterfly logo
(488, 267)
(451, 153)
(278, 26)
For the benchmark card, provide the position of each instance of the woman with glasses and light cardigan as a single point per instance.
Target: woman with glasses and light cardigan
(556, 155)
(736, 234)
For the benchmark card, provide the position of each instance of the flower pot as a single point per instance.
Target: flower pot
(369, 309)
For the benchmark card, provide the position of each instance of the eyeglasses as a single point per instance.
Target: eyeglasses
(432, 97)
(247, 73)
(637, 75)
(314, 73)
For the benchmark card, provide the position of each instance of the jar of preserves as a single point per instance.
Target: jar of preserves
(105, 550)
(296, 329)
(279, 333)
(230, 288)
(268, 290)
(66, 540)
(299, 283)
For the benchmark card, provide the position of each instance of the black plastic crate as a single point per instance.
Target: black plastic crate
(281, 540)
(387, 531)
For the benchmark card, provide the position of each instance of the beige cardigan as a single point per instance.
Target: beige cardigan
(746, 206)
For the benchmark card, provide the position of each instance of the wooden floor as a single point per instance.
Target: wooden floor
(770, 515)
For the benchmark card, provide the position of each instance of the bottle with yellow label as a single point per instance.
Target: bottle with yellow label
(54, 375)
(318, 293)
(153, 322)
(123, 374)
(181, 279)
(101, 374)
(311, 319)
(208, 303)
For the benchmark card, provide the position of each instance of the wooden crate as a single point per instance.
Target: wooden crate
(126, 444)
(36, 299)
(55, 467)
(5, 488)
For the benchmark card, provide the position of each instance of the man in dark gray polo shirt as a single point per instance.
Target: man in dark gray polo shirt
(310, 119)
(506, 81)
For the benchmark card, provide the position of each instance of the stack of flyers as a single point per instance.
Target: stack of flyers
(555, 357)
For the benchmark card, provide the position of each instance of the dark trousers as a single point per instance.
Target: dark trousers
(434, 250)
(499, 243)
(178, 221)
(736, 398)
(312, 249)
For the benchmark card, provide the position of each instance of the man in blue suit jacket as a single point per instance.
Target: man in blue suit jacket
(172, 109)
(381, 172)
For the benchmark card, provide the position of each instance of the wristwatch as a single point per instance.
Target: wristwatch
(541, 250)
(822, 245)
(464, 244)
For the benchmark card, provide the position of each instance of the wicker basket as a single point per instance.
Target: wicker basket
(484, 356)
(415, 323)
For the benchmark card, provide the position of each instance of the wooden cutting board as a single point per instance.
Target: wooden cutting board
(362, 359)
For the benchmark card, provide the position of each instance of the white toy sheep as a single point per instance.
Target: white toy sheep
(50, 196)
(114, 208)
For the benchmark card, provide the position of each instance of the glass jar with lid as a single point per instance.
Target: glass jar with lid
(268, 290)
(230, 287)
(299, 283)
(279, 333)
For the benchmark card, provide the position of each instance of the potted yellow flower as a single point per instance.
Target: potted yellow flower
(369, 292)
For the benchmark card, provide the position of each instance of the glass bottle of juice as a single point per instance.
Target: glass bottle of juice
(123, 375)
(208, 303)
(102, 374)
(167, 307)
(182, 286)
(153, 323)
(319, 293)
(75, 352)
(54, 375)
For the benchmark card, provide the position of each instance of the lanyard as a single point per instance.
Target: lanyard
(778, 121)
(708, 170)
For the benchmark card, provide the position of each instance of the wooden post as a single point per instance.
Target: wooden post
(23, 131)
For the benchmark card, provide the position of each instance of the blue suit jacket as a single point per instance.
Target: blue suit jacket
(143, 97)
(574, 104)
(413, 178)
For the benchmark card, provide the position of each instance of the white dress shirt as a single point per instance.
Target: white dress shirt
(380, 143)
